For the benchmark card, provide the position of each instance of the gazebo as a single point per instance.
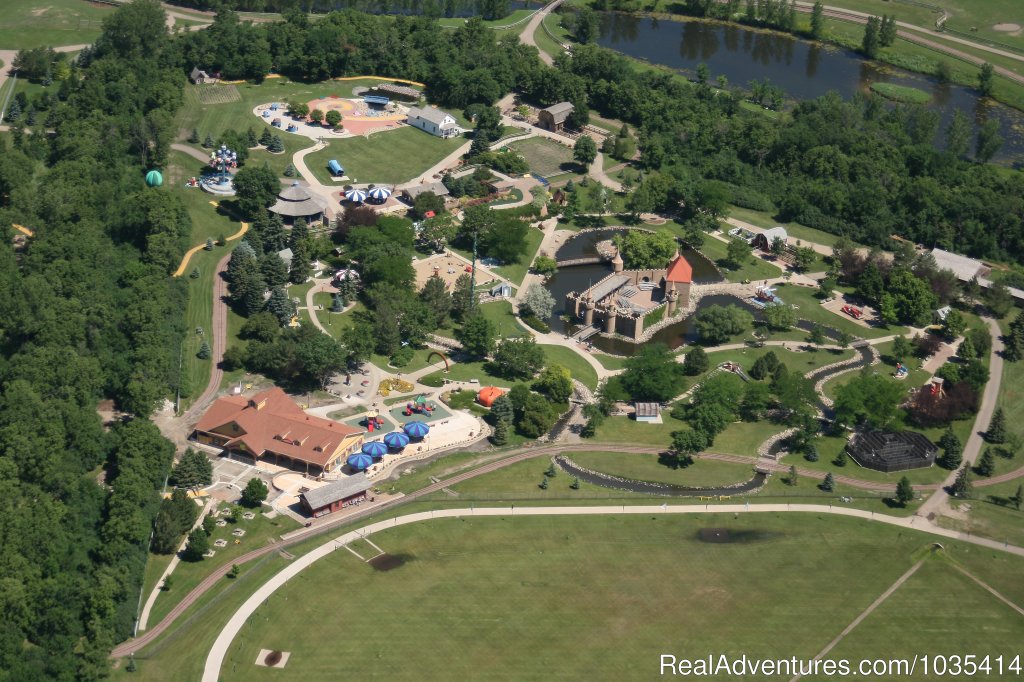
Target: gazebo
(296, 201)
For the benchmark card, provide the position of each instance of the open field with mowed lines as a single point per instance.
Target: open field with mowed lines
(603, 597)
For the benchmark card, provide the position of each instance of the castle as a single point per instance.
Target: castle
(625, 300)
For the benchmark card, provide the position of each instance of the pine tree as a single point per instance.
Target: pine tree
(250, 138)
(966, 349)
(194, 137)
(14, 111)
(904, 492)
(1018, 497)
(551, 472)
(280, 306)
(209, 244)
(996, 432)
(208, 141)
(986, 79)
(887, 34)
(290, 171)
(870, 44)
(829, 484)
(266, 137)
(575, 485)
(276, 146)
(544, 483)
(301, 269)
(500, 436)
(962, 484)
(1014, 340)
(792, 478)
(338, 303)
(840, 460)
(986, 465)
(204, 351)
(299, 234)
(952, 450)
(818, 20)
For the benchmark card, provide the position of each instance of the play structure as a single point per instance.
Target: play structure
(419, 406)
(855, 313)
(440, 355)
(488, 394)
(764, 296)
(222, 161)
(936, 387)
(335, 168)
(192, 182)
(373, 421)
(901, 371)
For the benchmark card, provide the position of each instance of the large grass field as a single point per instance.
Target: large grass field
(579, 368)
(53, 23)
(545, 157)
(389, 157)
(602, 597)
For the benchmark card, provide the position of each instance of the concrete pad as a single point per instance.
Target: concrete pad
(262, 657)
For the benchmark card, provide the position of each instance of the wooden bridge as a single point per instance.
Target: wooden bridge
(587, 260)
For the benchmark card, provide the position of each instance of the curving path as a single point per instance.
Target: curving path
(219, 650)
(134, 645)
(527, 34)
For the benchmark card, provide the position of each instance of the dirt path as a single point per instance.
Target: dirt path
(220, 332)
(867, 612)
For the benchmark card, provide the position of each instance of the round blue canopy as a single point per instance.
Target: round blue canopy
(379, 193)
(375, 448)
(396, 440)
(357, 195)
(359, 461)
(416, 429)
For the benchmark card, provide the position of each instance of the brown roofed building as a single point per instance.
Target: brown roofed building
(270, 427)
(335, 496)
(296, 201)
(553, 118)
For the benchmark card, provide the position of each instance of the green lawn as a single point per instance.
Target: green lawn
(466, 371)
(809, 308)
(187, 575)
(703, 473)
(503, 318)
(600, 622)
(545, 157)
(612, 362)
(553, 22)
(580, 369)
(419, 361)
(517, 271)
(28, 23)
(390, 157)
(764, 219)
(627, 430)
(753, 270)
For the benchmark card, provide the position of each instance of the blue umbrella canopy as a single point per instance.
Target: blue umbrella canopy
(396, 440)
(359, 461)
(416, 429)
(379, 193)
(355, 195)
(375, 448)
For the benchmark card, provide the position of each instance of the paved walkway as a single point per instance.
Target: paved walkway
(938, 503)
(158, 587)
(527, 34)
(219, 650)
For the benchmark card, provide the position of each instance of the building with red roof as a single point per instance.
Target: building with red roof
(679, 271)
(270, 427)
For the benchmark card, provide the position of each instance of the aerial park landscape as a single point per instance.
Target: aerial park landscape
(511, 340)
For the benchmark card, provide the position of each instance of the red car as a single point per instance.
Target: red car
(855, 313)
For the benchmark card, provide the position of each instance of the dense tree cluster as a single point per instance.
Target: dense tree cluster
(89, 311)
(853, 167)
(488, 9)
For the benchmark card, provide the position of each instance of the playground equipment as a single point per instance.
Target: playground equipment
(440, 355)
(901, 371)
(855, 313)
(192, 182)
(154, 178)
(276, 123)
(764, 296)
(373, 421)
(419, 406)
(936, 385)
(292, 128)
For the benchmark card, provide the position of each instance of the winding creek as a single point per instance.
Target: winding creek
(804, 70)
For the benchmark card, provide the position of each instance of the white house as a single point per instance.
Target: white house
(434, 121)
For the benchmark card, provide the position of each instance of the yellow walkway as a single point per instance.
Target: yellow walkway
(24, 230)
(191, 252)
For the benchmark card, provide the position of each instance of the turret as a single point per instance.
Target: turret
(617, 263)
(588, 310)
(672, 296)
(610, 319)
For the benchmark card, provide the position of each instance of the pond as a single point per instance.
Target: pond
(804, 70)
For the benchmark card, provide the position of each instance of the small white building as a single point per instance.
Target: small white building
(199, 77)
(434, 121)
(649, 413)
(502, 290)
